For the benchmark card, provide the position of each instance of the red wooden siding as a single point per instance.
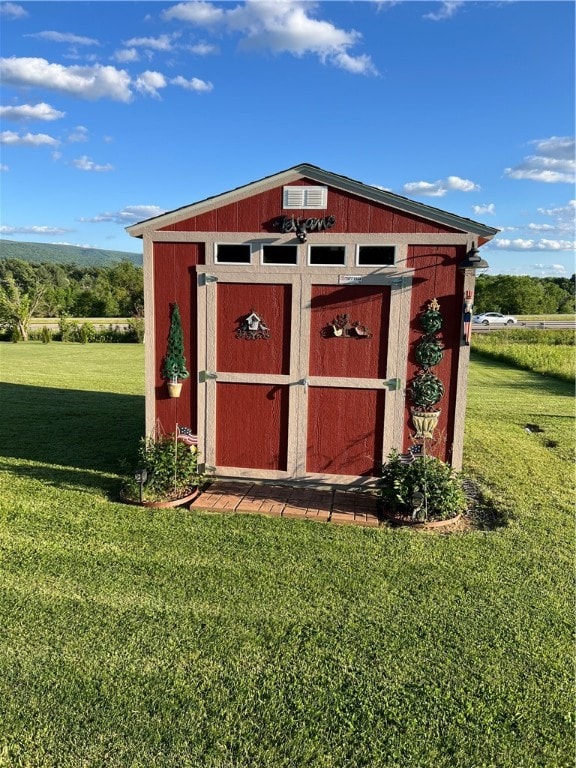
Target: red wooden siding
(345, 429)
(252, 425)
(331, 356)
(273, 304)
(436, 275)
(353, 214)
(175, 281)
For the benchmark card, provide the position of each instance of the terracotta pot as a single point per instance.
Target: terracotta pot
(174, 388)
(161, 504)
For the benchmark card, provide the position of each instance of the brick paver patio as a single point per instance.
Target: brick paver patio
(328, 505)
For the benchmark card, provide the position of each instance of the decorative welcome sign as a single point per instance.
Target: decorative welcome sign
(290, 224)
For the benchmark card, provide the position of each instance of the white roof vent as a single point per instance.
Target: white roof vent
(305, 197)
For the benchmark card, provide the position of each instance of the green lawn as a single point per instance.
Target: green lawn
(147, 639)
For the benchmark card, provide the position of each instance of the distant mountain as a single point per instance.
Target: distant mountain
(65, 254)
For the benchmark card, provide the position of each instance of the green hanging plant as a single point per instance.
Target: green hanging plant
(174, 367)
(431, 319)
(426, 390)
(429, 352)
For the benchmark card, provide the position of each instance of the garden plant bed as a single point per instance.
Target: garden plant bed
(180, 500)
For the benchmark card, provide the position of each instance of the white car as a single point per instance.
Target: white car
(493, 318)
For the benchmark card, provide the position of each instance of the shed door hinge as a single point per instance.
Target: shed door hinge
(393, 384)
(204, 278)
(203, 376)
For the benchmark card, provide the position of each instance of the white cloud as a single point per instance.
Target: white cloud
(162, 43)
(552, 163)
(4, 168)
(11, 138)
(126, 55)
(281, 26)
(128, 215)
(195, 12)
(12, 11)
(564, 217)
(40, 111)
(440, 187)
(550, 270)
(149, 83)
(94, 82)
(85, 163)
(34, 230)
(64, 37)
(480, 210)
(447, 9)
(202, 49)
(194, 84)
(79, 134)
(520, 244)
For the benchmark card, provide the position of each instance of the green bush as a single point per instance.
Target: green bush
(441, 488)
(172, 468)
(45, 335)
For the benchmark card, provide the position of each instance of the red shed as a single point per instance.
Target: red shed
(304, 300)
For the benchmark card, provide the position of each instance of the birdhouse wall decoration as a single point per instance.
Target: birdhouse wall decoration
(253, 327)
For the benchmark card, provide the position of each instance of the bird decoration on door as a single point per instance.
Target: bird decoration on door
(253, 327)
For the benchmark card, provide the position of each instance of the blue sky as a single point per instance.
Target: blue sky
(116, 111)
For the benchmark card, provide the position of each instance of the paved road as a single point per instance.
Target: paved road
(550, 325)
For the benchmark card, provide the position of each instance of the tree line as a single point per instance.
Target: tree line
(67, 289)
(51, 289)
(524, 295)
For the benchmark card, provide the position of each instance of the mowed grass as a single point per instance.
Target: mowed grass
(171, 638)
(551, 353)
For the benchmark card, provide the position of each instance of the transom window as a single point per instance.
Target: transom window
(329, 255)
(375, 255)
(279, 254)
(233, 254)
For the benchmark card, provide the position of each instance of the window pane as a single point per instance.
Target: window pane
(376, 255)
(233, 254)
(327, 254)
(279, 254)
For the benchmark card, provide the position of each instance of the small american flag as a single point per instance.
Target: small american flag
(186, 435)
(416, 450)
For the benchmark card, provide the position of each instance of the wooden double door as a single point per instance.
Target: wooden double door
(304, 394)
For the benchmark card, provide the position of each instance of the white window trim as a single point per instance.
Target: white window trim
(375, 245)
(303, 194)
(331, 245)
(237, 263)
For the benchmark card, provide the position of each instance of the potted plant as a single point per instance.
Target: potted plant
(423, 490)
(167, 474)
(174, 367)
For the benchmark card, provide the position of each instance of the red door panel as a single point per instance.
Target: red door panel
(252, 425)
(345, 430)
(350, 355)
(273, 304)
